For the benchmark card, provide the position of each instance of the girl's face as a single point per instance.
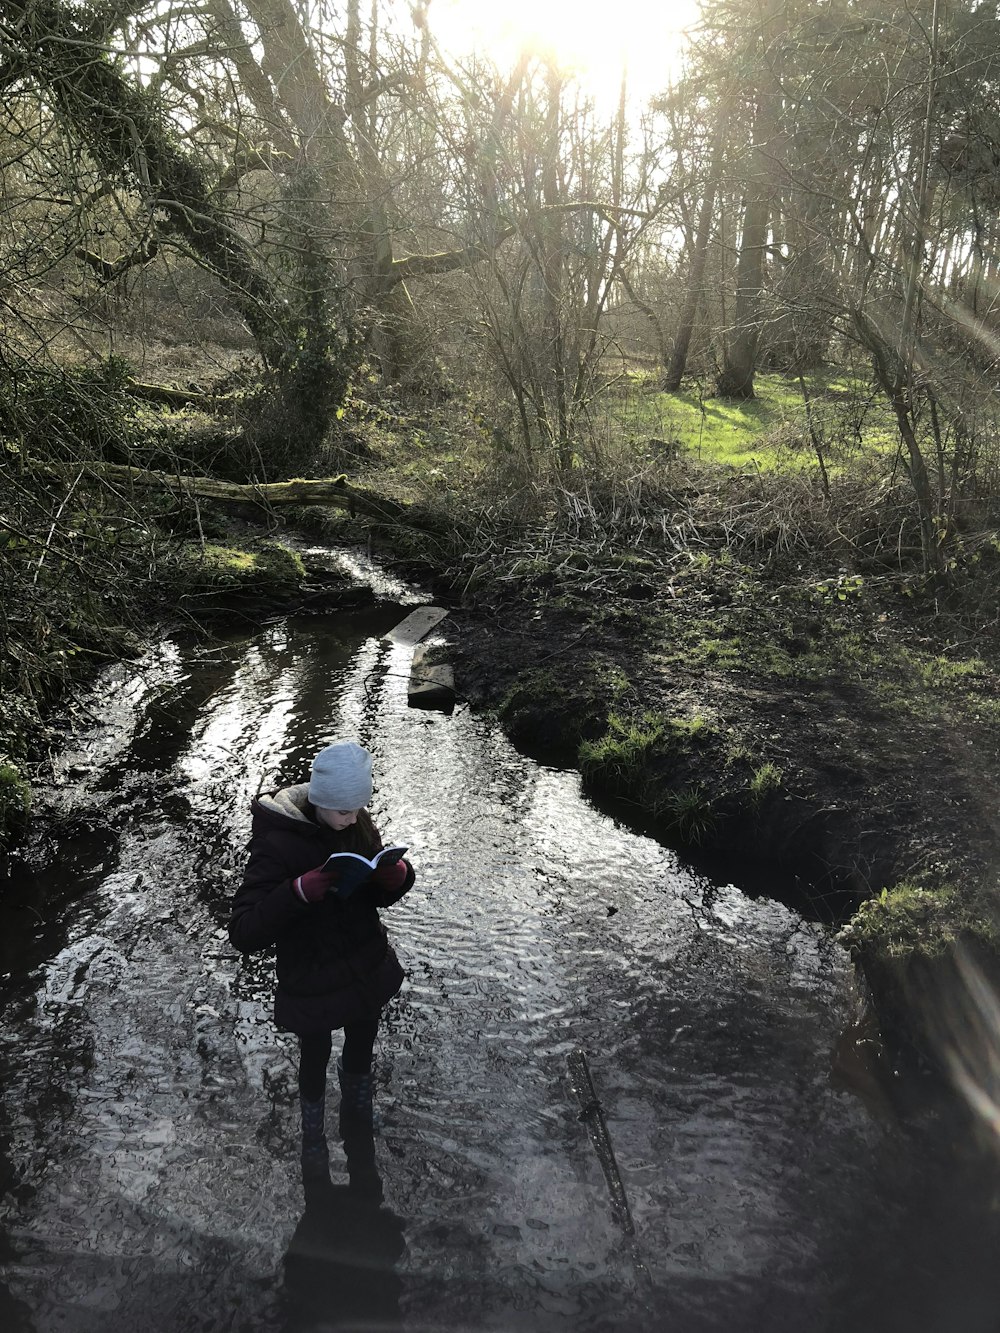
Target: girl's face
(338, 820)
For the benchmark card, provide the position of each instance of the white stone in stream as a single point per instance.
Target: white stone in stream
(413, 628)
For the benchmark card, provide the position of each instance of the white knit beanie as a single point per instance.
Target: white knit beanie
(341, 777)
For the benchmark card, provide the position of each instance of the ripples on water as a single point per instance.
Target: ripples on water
(149, 1117)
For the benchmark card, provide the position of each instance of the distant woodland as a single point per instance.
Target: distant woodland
(323, 202)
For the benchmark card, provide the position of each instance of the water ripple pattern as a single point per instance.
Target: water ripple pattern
(148, 1135)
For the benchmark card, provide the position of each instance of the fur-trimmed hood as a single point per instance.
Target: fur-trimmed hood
(290, 802)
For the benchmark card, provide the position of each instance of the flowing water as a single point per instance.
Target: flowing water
(148, 1153)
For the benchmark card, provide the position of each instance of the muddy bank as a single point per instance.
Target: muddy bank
(838, 757)
(235, 575)
(806, 775)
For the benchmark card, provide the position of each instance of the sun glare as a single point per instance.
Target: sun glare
(592, 39)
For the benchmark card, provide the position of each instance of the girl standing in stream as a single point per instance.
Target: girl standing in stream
(335, 966)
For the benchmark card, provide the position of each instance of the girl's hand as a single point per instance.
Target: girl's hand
(314, 885)
(389, 877)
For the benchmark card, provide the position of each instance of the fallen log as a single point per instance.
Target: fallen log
(174, 397)
(335, 491)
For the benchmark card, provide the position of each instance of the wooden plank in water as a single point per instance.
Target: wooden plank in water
(433, 688)
(419, 622)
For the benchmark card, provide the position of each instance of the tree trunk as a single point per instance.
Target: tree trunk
(889, 372)
(736, 378)
(552, 270)
(120, 125)
(699, 259)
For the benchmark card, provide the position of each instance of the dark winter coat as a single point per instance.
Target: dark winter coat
(334, 962)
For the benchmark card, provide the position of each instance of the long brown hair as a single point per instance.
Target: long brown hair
(361, 836)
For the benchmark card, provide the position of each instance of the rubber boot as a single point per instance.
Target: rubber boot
(363, 1179)
(356, 1110)
(315, 1154)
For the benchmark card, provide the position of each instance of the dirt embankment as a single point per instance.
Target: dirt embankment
(844, 753)
(809, 775)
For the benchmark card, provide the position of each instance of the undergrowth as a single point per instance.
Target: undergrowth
(909, 919)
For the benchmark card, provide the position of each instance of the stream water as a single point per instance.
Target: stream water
(148, 1118)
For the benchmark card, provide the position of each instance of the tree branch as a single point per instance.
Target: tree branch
(422, 266)
(111, 271)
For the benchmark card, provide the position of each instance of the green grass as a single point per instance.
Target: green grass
(861, 657)
(629, 742)
(940, 673)
(624, 747)
(769, 432)
(689, 813)
(909, 919)
(619, 762)
(765, 780)
(15, 796)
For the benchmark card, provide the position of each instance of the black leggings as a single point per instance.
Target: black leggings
(314, 1055)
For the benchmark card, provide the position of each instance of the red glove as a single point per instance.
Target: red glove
(389, 876)
(314, 885)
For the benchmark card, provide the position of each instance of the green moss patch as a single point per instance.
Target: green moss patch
(926, 952)
(216, 576)
(909, 920)
(15, 797)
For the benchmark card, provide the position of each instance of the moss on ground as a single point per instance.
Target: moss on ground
(216, 577)
(909, 920)
(215, 563)
(15, 795)
(931, 955)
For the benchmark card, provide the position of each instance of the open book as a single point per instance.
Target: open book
(352, 869)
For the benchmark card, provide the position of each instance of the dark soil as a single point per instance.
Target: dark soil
(883, 777)
(882, 748)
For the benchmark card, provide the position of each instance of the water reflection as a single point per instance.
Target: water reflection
(14, 1314)
(148, 1110)
(340, 1271)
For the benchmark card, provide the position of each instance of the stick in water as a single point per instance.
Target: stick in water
(592, 1112)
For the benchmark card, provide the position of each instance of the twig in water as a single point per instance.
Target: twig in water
(592, 1113)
